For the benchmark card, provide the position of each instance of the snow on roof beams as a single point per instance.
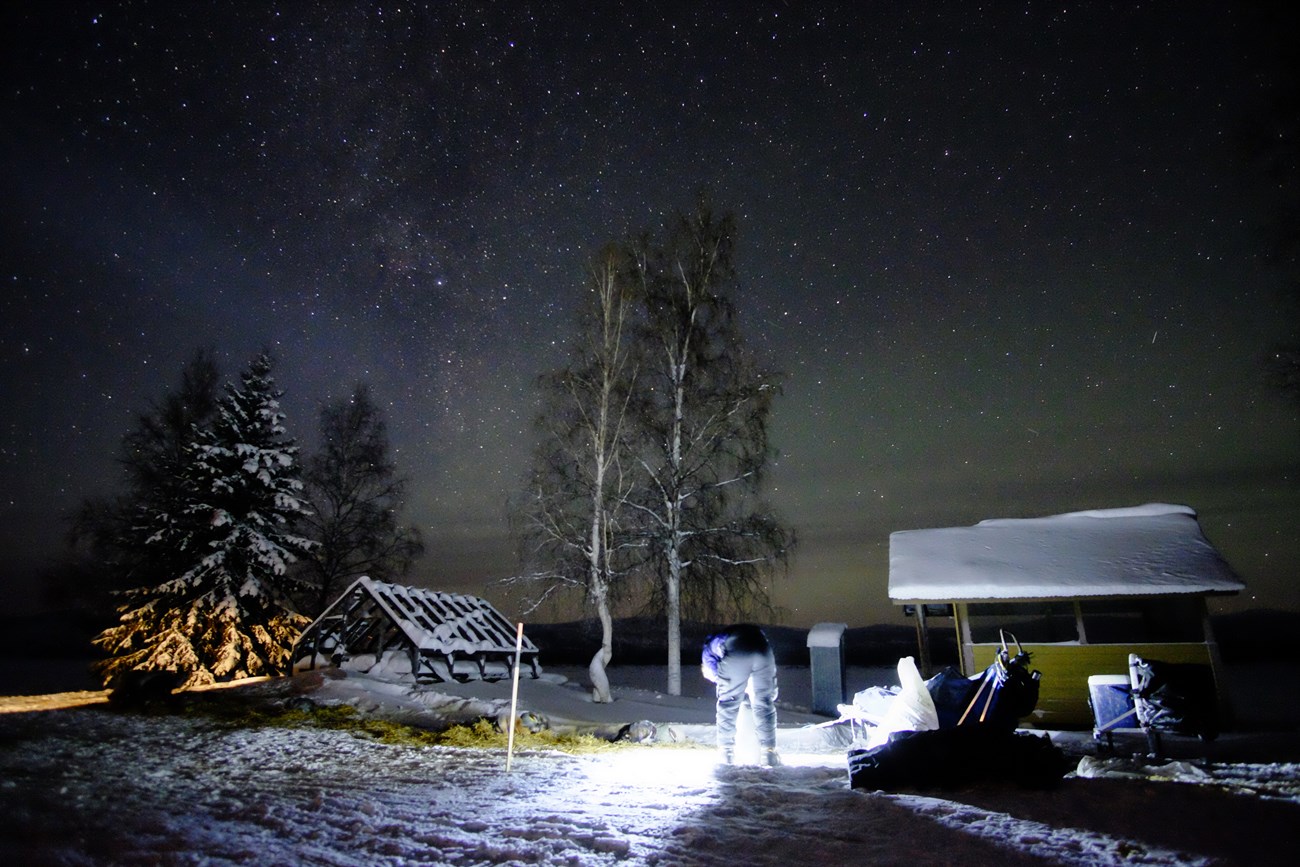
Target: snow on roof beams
(446, 622)
(1150, 550)
(432, 620)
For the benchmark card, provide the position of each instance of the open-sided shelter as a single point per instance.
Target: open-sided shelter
(1081, 591)
(416, 631)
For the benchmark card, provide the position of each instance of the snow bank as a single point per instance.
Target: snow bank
(85, 786)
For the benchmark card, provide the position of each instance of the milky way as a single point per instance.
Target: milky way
(1012, 261)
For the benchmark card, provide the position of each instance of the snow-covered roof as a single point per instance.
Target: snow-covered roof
(453, 625)
(445, 622)
(1150, 550)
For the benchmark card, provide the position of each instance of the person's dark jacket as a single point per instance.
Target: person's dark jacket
(741, 638)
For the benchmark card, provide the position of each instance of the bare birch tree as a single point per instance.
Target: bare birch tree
(578, 481)
(703, 428)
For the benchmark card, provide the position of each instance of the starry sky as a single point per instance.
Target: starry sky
(1009, 255)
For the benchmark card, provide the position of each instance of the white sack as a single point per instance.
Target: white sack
(912, 710)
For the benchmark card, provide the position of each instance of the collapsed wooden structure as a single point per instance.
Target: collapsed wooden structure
(413, 631)
(1081, 591)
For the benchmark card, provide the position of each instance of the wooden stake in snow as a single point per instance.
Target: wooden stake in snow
(514, 697)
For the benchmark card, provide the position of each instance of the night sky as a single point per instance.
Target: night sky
(1012, 259)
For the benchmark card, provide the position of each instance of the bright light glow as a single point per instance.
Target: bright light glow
(655, 768)
(83, 698)
(676, 769)
(51, 701)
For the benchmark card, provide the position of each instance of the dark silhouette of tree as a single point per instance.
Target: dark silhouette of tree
(1271, 141)
(225, 612)
(355, 496)
(108, 538)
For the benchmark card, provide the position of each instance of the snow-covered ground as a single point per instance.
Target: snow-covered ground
(85, 785)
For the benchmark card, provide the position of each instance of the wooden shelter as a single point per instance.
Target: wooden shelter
(413, 631)
(1081, 591)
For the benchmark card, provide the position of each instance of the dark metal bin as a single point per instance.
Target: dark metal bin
(826, 660)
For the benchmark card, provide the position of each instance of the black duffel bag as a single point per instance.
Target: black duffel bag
(946, 758)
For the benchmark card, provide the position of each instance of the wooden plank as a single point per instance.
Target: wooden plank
(440, 629)
(923, 641)
(961, 615)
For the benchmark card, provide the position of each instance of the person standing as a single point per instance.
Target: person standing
(739, 660)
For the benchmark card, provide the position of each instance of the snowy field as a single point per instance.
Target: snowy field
(86, 785)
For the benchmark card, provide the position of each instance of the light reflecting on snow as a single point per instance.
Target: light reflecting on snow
(52, 701)
(655, 768)
(670, 769)
(85, 786)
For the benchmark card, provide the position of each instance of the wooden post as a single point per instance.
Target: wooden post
(1222, 700)
(514, 697)
(923, 639)
(961, 611)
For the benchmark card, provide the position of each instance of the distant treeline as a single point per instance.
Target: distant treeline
(640, 641)
(1243, 637)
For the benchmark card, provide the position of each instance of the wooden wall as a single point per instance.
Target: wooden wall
(1063, 690)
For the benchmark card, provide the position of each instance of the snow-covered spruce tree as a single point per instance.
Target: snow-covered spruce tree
(225, 614)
